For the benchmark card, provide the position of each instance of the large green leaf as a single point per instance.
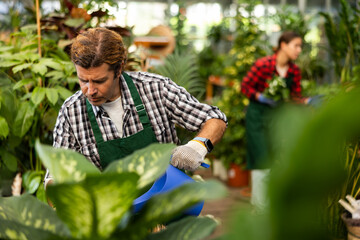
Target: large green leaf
(6, 48)
(29, 55)
(55, 75)
(9, 160)
(191, 228)
(65, 165)
(52, 95)
(32, 180)
(164, 207)
(25, 217)
(39, 68)
(4, 127)
(24, 119)
(23, 82)
(38, 95)
(95, 206)
(150, 163)
(5, 64)
(64, 93)
(21, 67)
(9, 104)
(51, 63)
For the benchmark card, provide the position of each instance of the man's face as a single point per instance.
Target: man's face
(98, 84)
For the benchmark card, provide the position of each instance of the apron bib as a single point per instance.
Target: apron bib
(258, 122)
(118, 148)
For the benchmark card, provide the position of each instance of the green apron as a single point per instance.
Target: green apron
(118, 148)
(258, 122)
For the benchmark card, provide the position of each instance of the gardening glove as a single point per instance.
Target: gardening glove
(315, 101)
(267, 101)
(189, 156)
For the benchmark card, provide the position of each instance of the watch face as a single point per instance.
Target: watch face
(208, 145)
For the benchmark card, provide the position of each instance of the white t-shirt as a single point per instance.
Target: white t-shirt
(115, 111)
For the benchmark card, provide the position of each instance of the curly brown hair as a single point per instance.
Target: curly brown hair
(97, 46)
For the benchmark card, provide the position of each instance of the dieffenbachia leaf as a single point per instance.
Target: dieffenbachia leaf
(188, 228)
(150, 163)
(163, 207)
(25, 217)
(65, 165)
(95, 206)
(166, 207)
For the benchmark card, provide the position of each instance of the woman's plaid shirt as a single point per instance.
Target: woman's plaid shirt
(166, 104)
(262, 71)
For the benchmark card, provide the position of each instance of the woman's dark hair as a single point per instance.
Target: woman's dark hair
(97, 46)
(287, 37)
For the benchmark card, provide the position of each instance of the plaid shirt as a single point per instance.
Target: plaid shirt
(166, 104)
(262, 71)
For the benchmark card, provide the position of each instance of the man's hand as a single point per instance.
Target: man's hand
(261, 98)
(189, 156)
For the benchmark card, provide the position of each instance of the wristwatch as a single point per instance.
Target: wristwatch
(207, 143)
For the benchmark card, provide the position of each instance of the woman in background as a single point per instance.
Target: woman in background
(257, 117)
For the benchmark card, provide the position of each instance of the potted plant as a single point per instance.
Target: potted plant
(231, 150)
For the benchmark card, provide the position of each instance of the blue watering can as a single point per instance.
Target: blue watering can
(171, 179)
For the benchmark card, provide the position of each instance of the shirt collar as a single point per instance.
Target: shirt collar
(125, 94)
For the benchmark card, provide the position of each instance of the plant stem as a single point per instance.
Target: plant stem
(38, 32)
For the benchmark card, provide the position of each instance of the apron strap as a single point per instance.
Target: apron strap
(140, 108)
(94, 125)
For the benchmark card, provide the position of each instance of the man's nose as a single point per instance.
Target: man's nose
(91, 88)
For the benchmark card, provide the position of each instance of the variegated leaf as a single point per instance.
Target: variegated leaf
(65, 165)
(150, 163)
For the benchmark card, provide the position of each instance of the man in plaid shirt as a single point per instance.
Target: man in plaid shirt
(118, 112)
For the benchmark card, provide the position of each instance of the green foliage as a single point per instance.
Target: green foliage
(149, 168)
(211, 58)
(183, 229)
(32, 90)
(312, 167)
(247, 47)
(182, 69)
(99, 206)
(342, 33)
(25, 217)
(177, 24)
(291, 19)
(232, 147)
